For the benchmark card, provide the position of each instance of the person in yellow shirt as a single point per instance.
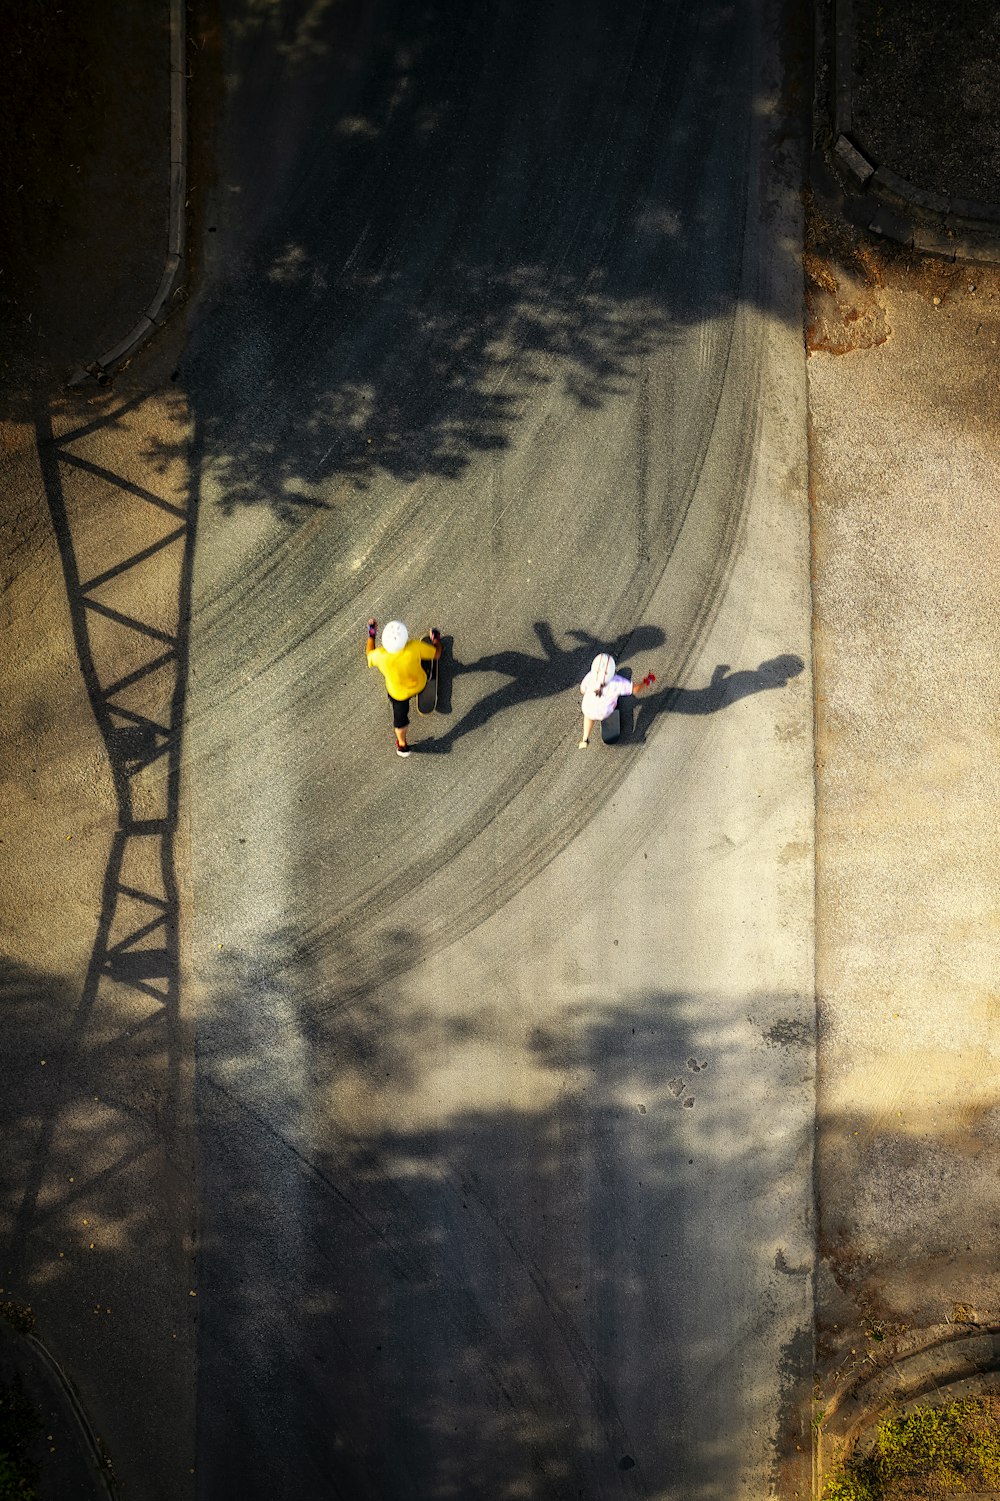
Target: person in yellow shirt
(401, 663)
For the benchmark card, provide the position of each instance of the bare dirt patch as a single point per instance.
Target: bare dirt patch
(849, 272)
(925, 91)
(843, 277)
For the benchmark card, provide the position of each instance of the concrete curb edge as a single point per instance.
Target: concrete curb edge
(68, 1390)
(105, 365)
(942, 224)
(946, 1366)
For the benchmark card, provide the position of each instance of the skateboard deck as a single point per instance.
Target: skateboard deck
(428, 696)
(611, 727)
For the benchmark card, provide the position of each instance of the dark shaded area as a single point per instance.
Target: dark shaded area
(84, 182)
(20, 1426)
(449, 207)
(484, 1307)
(38, 1016)
(725, 688)
(926, 92)
(43, 1452)
(446, 669)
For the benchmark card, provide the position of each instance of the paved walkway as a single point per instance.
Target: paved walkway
(93, 1216)
(905, 483)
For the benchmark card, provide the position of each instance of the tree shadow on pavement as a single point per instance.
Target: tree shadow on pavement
(555, 671)
(455, 1252)
(429, 214)
(94, 1213)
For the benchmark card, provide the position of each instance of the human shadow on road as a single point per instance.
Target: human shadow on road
(555, 671)
(724, 689)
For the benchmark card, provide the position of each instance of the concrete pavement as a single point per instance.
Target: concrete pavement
(504, 1079)
(903, 409)
(97, 1182)
(906, 505)
(632, 1039)
(97, 1175)
(456, 1062)
(462, 1197)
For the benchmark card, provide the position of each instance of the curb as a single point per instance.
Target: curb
(106, 365)
(86, 1464)
(949, 1367)
(942, 224)
(83, 1423)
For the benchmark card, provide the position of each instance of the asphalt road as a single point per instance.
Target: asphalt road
(503, 1058)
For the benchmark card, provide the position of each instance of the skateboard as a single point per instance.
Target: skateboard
(611, 727)
(428, 696)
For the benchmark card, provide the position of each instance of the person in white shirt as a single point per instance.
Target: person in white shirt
(601, 689)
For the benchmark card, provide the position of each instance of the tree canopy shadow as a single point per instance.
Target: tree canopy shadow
(429, 214)
(92, 1217)
(498, 1300)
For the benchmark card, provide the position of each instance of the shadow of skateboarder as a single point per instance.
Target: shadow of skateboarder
(547, 674)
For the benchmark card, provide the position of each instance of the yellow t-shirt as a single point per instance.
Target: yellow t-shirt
(403, 670)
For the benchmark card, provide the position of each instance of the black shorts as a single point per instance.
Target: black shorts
(400, 712)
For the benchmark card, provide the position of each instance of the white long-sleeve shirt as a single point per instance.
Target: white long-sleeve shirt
(601, 705)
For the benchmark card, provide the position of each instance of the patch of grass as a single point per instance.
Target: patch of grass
(18, 1427)
(951, 1450)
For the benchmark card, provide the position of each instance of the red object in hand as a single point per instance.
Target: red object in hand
(372, 628)
(435, 634)
(649, 678)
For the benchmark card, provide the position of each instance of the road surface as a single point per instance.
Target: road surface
(503, 1053)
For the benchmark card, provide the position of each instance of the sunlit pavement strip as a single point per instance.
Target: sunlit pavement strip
(505, 1053)
(907, 509)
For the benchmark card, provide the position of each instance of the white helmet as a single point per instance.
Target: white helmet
(603, 668)
(394, 636)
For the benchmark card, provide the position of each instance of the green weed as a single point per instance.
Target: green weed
(949, 1450)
